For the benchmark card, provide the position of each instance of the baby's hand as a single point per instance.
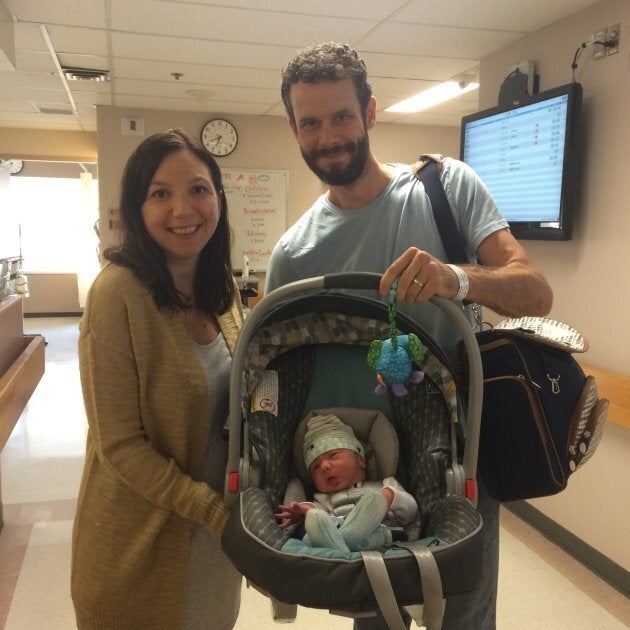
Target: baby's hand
(292, 513)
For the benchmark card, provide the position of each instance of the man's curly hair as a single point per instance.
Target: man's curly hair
(328, 61)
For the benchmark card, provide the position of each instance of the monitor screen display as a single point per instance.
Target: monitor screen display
(527, 154)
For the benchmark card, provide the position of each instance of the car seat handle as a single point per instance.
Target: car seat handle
(352, 280)
(358, 280)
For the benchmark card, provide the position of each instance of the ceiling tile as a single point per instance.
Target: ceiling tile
(435, 41)
(525, 17)
(178, 91)
(89, 13)
(241, 25)
(175, 49)
(82, 41)
(370, 9)
(428, 68)
(195, 73)
(225, 107)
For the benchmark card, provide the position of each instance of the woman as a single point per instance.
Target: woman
(155, 349)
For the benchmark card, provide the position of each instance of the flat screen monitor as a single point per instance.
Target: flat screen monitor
(527, 155)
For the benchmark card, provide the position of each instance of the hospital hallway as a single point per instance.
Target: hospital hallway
(540, 586)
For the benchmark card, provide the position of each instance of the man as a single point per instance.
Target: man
(376, 217)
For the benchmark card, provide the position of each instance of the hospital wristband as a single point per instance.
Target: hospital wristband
(464, 284)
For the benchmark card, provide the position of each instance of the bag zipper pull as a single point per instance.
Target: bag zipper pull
(555, 386)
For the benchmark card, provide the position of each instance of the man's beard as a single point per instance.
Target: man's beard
(337, 176)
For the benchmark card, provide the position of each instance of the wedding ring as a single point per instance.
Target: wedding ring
(416, 281)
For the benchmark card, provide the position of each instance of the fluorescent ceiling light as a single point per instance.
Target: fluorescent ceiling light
(433, 96)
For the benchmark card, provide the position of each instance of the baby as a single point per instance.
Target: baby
(348, 513)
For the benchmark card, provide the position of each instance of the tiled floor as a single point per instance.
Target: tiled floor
(540, 586)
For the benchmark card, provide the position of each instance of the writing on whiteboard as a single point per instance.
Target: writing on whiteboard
(257, 203)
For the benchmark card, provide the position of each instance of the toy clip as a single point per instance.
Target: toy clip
(392, 358)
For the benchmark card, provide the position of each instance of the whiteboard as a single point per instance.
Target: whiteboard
(257, 206)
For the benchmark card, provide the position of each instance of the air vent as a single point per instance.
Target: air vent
(52, 110)
(85, 74)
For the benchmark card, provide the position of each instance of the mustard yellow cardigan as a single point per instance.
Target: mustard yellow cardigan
(147, 405)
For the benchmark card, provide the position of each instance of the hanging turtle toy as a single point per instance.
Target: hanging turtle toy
(393, 358)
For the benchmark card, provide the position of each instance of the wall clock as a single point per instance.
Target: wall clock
(13, 166)
(219, 136)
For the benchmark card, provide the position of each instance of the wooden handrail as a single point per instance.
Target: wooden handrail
(18, 383)
(615, 387)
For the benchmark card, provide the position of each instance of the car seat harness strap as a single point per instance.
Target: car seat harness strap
(382, 588)
(431, 582)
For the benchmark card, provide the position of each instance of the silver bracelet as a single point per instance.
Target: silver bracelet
(464, 284)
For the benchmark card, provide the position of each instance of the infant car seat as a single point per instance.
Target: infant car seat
(299, 353)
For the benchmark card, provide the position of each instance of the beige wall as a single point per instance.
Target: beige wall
(52, 293)
(36, 144)
(589, 273)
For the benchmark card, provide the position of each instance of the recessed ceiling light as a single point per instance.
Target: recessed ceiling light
(433, 96)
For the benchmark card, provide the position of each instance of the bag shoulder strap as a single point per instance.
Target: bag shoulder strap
(427, 170)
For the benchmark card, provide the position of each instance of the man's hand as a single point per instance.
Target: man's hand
(420, 277)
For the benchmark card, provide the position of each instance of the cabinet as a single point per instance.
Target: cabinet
(21, 368)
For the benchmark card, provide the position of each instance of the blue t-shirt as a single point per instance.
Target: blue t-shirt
(328, 239)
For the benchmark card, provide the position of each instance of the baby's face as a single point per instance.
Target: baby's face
(337, 470)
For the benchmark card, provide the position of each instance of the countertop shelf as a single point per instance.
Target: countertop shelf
(22, 364)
